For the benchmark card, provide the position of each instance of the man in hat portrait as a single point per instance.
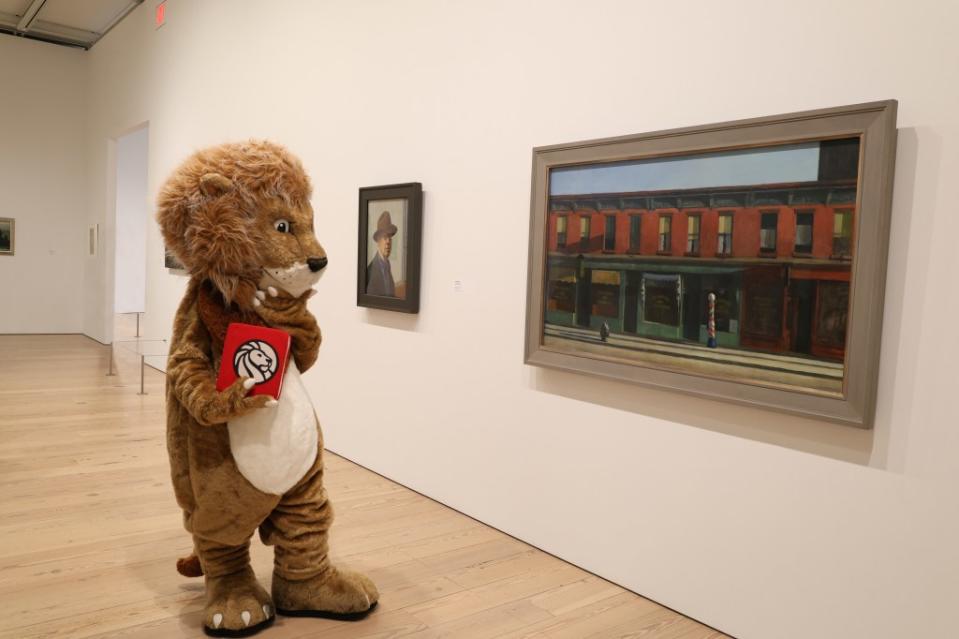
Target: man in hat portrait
(379, 276)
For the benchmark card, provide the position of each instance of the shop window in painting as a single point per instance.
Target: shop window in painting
(726, 308)
(661, 299)
(763, 295)
(561, 290)
(604, 293)
(832, 313)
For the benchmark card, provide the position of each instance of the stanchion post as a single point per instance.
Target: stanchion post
(110, 372)
(143, 359)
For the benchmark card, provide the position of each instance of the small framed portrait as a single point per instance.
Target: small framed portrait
(389, 244)
(6, 235)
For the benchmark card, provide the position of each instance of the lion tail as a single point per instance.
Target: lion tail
(189, 566)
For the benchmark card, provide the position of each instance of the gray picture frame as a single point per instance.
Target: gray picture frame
(873, 123)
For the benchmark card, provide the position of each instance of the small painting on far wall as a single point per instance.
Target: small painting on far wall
(390, 224)
(93, 236)
(6, 235)
(170, 261)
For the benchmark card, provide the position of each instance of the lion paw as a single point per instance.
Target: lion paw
(337, 594)
(237, 606)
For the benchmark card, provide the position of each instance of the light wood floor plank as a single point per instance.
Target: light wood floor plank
(90, 532)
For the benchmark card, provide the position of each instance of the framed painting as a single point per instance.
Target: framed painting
(7, 235)
(93, 240)
(389, 244)
(742, 261)
(170, 262)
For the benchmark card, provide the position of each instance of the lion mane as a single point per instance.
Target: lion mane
(207, 209)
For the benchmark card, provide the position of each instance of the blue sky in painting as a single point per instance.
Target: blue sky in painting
(792, 163)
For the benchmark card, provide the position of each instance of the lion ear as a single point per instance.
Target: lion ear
(214, 185)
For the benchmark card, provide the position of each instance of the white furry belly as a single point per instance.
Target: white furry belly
(274, 447)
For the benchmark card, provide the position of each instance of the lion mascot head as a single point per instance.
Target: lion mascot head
(239, 216)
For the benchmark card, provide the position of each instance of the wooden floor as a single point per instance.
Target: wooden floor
(89, 530)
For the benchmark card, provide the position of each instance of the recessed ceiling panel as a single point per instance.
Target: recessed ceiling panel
(70, 22)
(88, 15)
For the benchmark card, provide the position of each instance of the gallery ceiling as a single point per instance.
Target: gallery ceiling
(66, 22)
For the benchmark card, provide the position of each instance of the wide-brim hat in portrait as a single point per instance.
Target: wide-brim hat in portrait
(384, 226)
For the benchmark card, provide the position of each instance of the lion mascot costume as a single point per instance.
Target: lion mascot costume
(238, 217)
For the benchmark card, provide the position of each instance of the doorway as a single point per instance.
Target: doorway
(130, 237)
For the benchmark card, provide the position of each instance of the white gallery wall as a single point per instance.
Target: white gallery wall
(42, 186)
(759, 524)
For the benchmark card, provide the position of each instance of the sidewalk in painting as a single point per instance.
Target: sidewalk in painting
(763, 369)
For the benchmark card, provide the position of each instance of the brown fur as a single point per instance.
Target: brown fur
(208, 209)
(189, 566)
(217, 213)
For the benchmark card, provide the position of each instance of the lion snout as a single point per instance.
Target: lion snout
(316, 263)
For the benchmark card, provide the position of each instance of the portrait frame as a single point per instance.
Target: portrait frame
(8, 226)
(408, 226)
(171, 263)
(872, 124)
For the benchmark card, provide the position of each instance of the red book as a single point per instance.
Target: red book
(257, 352)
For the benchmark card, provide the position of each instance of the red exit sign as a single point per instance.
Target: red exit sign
(161, 14)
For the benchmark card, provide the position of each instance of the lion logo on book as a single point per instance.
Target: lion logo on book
(255, 359)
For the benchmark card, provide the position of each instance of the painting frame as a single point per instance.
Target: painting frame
(874, 124)
(12, 224)
(411, 193)
(93, 240)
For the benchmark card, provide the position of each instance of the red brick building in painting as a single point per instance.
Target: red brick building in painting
(777, 256)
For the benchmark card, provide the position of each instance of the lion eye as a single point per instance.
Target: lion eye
(282, 226)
